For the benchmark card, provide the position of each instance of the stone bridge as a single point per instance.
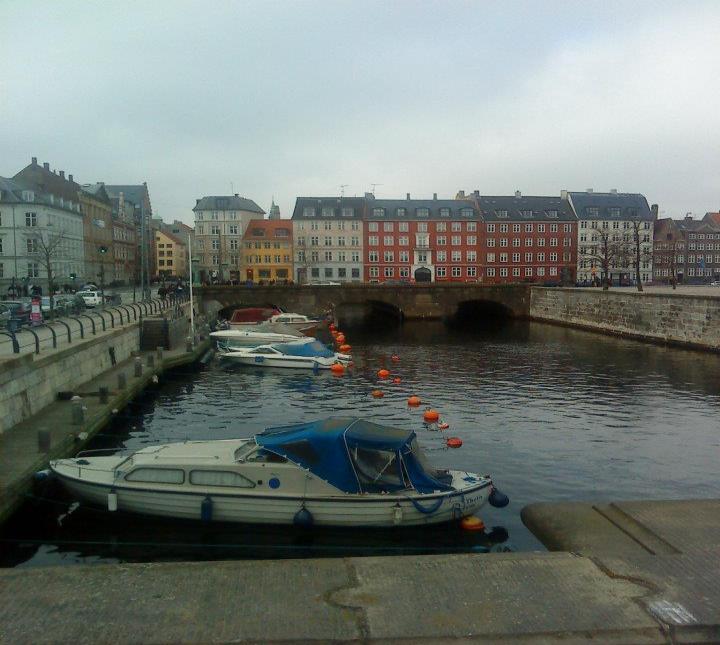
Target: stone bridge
(413, 301)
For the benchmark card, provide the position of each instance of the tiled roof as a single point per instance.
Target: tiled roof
(227, 203)
(407, 209)
(631, 205)
(525, 208)
(269, 229)
(336, 203)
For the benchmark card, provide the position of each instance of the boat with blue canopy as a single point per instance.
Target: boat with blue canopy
(302, 354)
(334, 472)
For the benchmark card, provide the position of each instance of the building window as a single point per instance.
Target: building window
(422, 227)
(32, 245)
(374, 272)
(233, 245)
(328, 240)
(471, 240)
(456, 272)
(528, 272)
(388, 226)
(373, 256)
(441, 272)
(30, 219)
(214, 230)
(233, 229)
(516, 257)
(503, 257)
(328, 272)
(456, 227)
(373, 240)
(490, 257)
(404, 256)
(403, 227)
(378, 212)
(491, 272)
(516, 272)
(471, 256)
(491, 242)
(444, 212)
(541, 271)
(516, 228)
(328, 256)
(404, 240)
(404, 272)
(503, 272)
(553, 270)
(401, 212)
(441, 240)
(388, 272)
(355, 273)
(388, 240)
(472, 272)
(215, 244)
(328, 211)
(347, 211)
(315, 272)
(466, 212)
(456, 256)
(422, 212)
(389, 256)
(504, 228)
(33, 270)
(372, 226)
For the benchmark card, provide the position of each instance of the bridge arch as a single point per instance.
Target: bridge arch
(356, 312)
(481, 311)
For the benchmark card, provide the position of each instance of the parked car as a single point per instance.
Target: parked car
(91, 298)
(19, 311)
(325, 283)
(716, 283)
(90, 286)
(4, 315)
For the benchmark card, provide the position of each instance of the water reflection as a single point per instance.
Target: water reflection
(551, 413)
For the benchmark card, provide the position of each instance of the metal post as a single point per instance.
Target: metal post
(151, 360)
(103, 394)
(122, 381)
(138, 366)
(78, 413)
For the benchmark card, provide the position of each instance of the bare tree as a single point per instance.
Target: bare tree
(47, 246)
(603, 251)
(639, 253)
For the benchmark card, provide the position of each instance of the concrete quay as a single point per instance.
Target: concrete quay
(622, 588)
(53, 432)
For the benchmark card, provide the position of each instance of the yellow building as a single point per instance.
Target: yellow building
(267, 251)
(170, 256)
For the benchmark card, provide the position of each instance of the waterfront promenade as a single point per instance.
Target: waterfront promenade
(606, 592)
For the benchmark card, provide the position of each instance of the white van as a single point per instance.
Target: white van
(91, 298)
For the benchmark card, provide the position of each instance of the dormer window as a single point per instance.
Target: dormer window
(501, 214)
(308, 211)
(614, 211)
(444, 212)
(378, 212)
(632, 212)
(466, 212)
(526, 214)
(552, 214)
(347, 211)
(28, 196)
(593, 212)
(401, 212)
(423, 212)
(328, 211)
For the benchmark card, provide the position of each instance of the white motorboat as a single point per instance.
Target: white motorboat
(298, 321)
(247, 337)
(306, 355)
(335, 472)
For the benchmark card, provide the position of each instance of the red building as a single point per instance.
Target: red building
(527, 239)
(421, 240)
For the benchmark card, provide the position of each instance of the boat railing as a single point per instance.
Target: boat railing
(99, 452)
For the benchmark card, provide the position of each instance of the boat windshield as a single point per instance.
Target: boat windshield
(309, 350)
(378, 470)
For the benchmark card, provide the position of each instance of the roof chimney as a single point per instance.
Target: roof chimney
(476, 193)
(563, 194)
(34, 161)
(237, 194)
(434, 195)
(460, 194)
(407, 195)
(613, 191)
(518, 194)
(62, 173)
(369, 196)
(589, 190)
(70, 177)
(46, 165)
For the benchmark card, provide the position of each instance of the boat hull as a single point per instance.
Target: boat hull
(385, 511)
(284, 362)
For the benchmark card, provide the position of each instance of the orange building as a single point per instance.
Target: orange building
(267, 251)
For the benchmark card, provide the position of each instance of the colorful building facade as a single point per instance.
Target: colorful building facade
(267, 253)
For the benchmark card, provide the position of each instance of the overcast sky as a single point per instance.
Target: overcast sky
(297, 98)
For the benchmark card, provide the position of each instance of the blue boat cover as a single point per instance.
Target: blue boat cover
(355, 455)
(309, 350)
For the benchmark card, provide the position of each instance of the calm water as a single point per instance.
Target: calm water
(553, 414)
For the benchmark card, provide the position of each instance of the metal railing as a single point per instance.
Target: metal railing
(80, 325)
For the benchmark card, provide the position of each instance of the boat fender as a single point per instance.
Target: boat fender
(498, 499)
(397, 514)
(206, 509)
(303, 518)
(112, 501)
(42, 475)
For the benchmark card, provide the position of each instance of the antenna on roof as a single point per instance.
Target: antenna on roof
(372, 187)
(342, 189)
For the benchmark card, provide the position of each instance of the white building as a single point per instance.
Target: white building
(328, 239)
(30, 220)
(220, 223)
(613, 217)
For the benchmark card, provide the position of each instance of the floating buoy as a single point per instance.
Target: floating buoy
(340, 338)
(443, 426)
(397, 379)
(337, 368)
(395, 358)
(431, 415)
(345, 349)
(334, 333)
(332, 327)
(454, 442)
(378, 394)
(472, 523)
(498, 499)
(383, 373)
(414, 401)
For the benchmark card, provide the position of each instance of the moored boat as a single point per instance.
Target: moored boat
(302, 323)
(254, 335)
(252, 316)
(303, 355)
(335, 472)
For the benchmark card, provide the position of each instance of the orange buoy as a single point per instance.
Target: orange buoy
(395, 358)
(378, 394)
(383, 373)
(397, 379)
(332, 327)
(345, 349)
(334, 334)
(431, 415)
(472, 523)
(454, 442)
(340, 338)
(414, 401)
(337, 368)
(443, 426)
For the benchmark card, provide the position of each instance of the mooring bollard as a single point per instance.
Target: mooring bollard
(138, 366)
(103, 394)
(189, 344)
(44, 441)
(122, 381)
(159, 352)
(151, 360)
(78, 412)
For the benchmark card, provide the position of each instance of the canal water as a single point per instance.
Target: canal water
(552, 413)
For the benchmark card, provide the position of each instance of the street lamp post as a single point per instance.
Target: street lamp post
(102, 250)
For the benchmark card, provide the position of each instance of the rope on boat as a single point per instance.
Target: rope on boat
(427, 511)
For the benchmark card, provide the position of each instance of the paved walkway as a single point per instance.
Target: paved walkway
(21, 452)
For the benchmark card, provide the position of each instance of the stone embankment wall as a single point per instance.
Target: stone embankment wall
(692, 321)
(29, 382)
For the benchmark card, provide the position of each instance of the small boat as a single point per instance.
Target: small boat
(298, 321)
(335, 472)
(252, 315)
(307, 355)
(254, 335)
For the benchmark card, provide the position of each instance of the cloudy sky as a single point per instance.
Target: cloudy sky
(297, 98)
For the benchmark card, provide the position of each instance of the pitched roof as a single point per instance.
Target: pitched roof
(97, 191)
(269, 229)
(406, 209)
(174, 238)
(631, 205)
(227, 203)
(136, 193)
(712, 217)
(525, 208)
(44, 180)
(334, 203)
(11, 192)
